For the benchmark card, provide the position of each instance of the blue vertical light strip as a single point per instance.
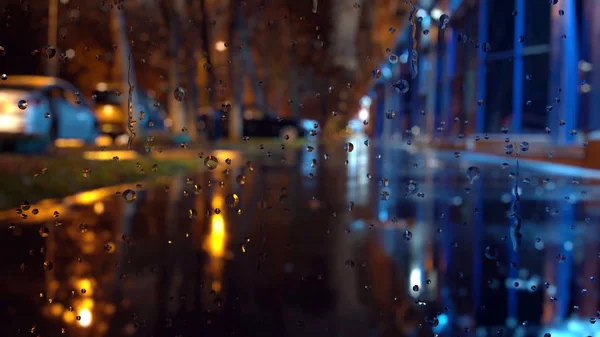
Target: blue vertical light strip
(513, 273)
(584, 49)
(481, 71)
(554, 80)
(570, 69)
(592, 10)
(565, 268)
(512, 305)
(518, 73)
(478, 250)
(439, 78)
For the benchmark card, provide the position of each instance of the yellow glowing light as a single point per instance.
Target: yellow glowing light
(103, 140)
(216, 286)
(217, 202)
(56, 309)
(68, 317)
(87, 303)
(68, 143)
(109, 155)
(85, 317)
(220, 46)
(98, 207)
(101, 86)
(108, 110)
(11, 123)
(89, 243)
(216, 239)
(89, 197)
(87, 285)
(224, 154)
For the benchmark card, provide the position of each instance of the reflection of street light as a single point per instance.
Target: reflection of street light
(363, 114)
(85, 317)
(436, 13)
(220, 46)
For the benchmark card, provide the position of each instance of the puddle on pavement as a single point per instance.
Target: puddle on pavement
(274, 249)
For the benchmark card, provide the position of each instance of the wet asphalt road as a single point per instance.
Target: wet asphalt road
(309, 246)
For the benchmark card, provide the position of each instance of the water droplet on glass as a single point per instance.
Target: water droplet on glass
(48, 51)
(179, 93)
(491, 253)
(348, 147)
(349, 264)
(129, 196)
(411, 188)
(401, 86)
(385, 195)
(48, 265)
(232, 200)
(524, 146)
(473, 174)
(211, 162)
(444, 20)
(44, 232)
(241, 179)
(407, 235)
(22, 104)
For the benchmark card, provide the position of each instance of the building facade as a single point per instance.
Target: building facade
(527, 65)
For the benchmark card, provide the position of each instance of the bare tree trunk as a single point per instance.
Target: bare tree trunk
(52, 64)
(176, 110)
(259, 92)
(250, 66)
(346, 22)
(293, 75)
(192, 67)
(207, 46)
(123, 68)
(236, 76)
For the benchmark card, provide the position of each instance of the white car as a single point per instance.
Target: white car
(37, 110)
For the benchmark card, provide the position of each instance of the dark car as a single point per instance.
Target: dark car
(216, 124)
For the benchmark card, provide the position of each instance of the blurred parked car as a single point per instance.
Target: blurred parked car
(37, 110)
(113, 120)
(256, 124)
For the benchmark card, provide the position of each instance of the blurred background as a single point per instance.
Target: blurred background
(467, 66)
(293, 168)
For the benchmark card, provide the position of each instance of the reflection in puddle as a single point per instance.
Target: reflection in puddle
(180, 260)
